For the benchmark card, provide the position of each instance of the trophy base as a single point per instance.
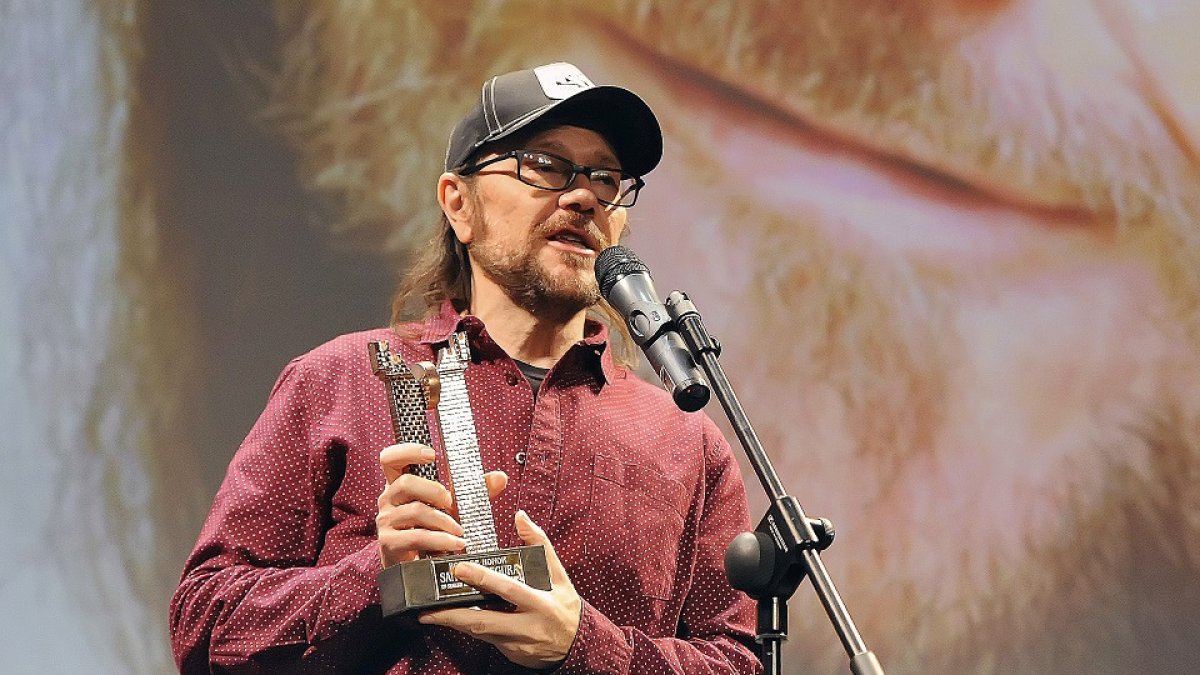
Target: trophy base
(427, 583)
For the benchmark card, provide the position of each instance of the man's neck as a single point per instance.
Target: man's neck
(536, 339)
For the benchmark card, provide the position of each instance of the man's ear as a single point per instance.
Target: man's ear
(452, 196)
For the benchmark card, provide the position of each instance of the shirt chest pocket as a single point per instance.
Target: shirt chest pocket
(636, 525)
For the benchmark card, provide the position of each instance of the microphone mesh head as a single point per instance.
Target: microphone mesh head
(613, 263)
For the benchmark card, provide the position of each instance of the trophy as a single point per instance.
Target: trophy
(428, 581)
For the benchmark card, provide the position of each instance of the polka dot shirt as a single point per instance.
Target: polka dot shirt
(639, 499)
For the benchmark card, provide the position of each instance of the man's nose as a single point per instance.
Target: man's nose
(579, 196)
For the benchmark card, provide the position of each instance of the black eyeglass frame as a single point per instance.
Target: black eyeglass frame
(576, 171)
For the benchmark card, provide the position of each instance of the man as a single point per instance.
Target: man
(636, 501)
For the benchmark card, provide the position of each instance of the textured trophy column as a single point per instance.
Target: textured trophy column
(429, 581)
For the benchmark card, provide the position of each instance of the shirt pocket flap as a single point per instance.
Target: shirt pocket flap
(645, 480)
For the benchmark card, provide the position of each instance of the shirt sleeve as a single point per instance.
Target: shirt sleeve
(253, 597)
(716, 626)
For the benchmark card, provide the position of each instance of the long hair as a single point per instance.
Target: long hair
(442, 271)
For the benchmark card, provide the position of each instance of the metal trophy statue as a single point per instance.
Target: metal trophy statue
(428, 582)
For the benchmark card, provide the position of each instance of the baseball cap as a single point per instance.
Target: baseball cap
(560, 94)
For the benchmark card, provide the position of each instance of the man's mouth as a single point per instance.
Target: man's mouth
(574, 242)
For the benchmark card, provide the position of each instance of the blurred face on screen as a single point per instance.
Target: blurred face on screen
(951, 250)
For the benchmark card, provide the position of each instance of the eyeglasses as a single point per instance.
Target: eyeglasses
(547, 171)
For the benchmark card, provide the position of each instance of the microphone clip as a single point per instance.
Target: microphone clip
(689, 324)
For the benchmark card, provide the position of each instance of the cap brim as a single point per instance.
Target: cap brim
(617, 114)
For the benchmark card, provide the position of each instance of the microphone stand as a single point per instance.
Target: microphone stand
(769, 563)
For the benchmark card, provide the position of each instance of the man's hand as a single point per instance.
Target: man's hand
(414, 513)
(540, 631)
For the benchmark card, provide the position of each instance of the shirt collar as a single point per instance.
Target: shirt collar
(593, 348)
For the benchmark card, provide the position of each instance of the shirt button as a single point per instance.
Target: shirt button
(521, 457)
(511, 379)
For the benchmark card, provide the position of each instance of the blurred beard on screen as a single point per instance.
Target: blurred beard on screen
(954, 560)
(985, 523)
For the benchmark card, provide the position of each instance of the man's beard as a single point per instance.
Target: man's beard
(1093, 543)
(527, 281)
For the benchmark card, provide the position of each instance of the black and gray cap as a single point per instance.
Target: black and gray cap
(559, 93)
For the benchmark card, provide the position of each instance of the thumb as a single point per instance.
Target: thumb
(529, 532)
(532, 535)
(496, 481)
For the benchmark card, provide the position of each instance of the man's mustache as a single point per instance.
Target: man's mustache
(576, 221)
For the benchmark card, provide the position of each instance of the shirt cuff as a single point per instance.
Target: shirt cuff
(600, 646)
(350, 590)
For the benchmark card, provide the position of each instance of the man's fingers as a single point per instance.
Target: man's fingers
(490, 581)
(417, 515)
(480, 623)
(496, 482)
(395, 459)
(532, 535)
(409, 488)
(403, 545)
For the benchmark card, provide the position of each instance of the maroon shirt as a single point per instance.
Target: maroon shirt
(639, 499)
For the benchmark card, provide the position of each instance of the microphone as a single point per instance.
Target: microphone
(625, 283)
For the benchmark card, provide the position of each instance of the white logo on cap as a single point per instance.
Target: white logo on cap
(560, 80)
